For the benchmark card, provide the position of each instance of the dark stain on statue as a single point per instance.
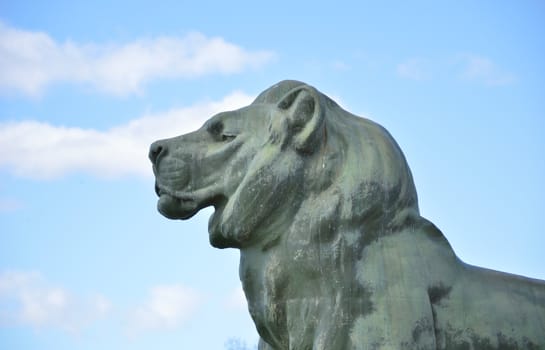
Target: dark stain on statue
(360, 304)
(468, 340)
(422, 327)
(384, 214)
(438, 292)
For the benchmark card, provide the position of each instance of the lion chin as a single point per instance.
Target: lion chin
(334, 253)
(176, 208)
(173, 206)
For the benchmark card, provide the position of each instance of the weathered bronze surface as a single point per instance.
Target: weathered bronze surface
(333, 251)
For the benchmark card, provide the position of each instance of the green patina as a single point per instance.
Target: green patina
(333, 251)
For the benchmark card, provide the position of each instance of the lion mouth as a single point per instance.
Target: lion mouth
(182, 205)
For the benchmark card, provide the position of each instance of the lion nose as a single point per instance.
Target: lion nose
(157, 149)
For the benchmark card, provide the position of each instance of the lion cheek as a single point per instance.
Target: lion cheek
(221, 233)
(224, 238)
(215, 234)
(217, 240)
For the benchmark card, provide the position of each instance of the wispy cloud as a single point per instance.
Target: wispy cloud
(340, 66)
(43, 151)
(414, 69)
(467, 67)
(167, 307)
(30, 61)
(26, 298)
(483, 70)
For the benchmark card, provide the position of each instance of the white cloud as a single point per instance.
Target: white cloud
(481, 69)
(30, 61)
(167, 307)
(26, 298)
(414, 69)
(40, 150)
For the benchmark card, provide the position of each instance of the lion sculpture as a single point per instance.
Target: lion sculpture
(333, 251)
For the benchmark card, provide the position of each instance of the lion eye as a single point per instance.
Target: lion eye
(227, 137)
(216, 129)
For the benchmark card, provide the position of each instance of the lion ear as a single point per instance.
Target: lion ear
(305, 117)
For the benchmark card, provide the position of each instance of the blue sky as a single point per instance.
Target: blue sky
(86, 262)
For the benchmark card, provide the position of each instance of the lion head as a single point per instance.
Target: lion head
(260, 165)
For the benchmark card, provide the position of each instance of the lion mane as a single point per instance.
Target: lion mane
(333, 251)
